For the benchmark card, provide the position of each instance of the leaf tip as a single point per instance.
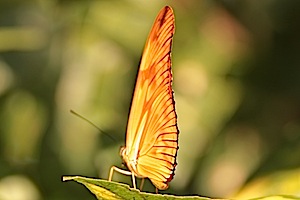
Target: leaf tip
(68, 178)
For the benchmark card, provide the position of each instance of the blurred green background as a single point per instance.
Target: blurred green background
(236, 67)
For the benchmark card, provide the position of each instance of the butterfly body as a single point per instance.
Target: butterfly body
(152, 132)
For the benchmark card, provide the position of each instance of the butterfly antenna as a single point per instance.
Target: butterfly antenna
(91, 123)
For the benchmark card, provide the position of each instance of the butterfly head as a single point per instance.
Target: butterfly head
(122, 151)
(123, 155)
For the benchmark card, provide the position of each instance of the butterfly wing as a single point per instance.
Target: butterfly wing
(152, 132)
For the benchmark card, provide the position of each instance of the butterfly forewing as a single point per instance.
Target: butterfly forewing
(152, 133)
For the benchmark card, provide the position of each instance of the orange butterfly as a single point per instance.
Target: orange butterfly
(152, 132)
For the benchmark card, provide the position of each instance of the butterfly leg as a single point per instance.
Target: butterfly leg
(133, 180)
(142, 184)
(121, 171)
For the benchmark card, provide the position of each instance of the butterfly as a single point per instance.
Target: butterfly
(152, 131)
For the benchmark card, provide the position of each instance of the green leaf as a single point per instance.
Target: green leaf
(104, 189)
